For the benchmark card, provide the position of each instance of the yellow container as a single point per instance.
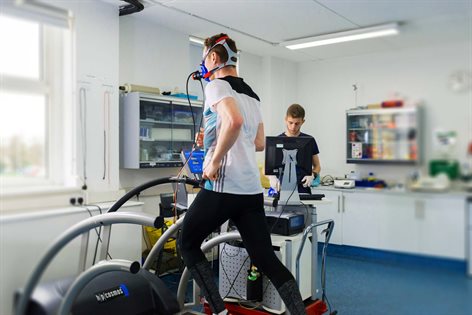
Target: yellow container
(154, 234)
(264, 179)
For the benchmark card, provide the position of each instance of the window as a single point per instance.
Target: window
(23, 138)
(34, 72)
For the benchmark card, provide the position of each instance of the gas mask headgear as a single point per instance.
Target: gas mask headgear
(232, 59)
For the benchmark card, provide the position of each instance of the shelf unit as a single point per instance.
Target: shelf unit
(385, 135)
(154, 129)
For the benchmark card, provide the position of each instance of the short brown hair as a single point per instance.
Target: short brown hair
(220, 50)
(296, 111)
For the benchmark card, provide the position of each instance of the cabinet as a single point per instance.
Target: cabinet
(386, 135)
(410, 223)
(331, 211)
(442, 228)
(154, 129)
(380, 221)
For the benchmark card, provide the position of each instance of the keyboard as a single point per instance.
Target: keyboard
(311, 197)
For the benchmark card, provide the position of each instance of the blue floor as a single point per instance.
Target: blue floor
(363, 287)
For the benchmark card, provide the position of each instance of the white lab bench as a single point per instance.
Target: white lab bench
(428, 224)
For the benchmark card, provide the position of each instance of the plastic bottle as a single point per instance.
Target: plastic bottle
(371, 177)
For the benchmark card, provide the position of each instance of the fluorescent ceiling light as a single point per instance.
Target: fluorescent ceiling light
(196, 40)
(361, 33)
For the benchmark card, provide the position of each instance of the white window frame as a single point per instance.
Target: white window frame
(57, 73)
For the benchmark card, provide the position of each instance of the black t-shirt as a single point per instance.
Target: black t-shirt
(300, 172)
(315, 145)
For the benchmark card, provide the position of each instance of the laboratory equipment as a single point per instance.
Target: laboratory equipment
(311, 196)
(232, 282)
(193, 163)
(344, 183)
(288, 223)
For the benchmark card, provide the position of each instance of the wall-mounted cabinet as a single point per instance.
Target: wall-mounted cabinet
(154, 129)
(385, 135)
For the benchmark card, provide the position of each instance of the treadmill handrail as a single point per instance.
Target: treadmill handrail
(224, 237)
(170, 232)
(307, 230)
(62, 240)
(155, 182)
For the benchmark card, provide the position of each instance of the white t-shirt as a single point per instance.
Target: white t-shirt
(238, 173)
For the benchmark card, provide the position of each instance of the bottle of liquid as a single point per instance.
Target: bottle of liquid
(371, 177)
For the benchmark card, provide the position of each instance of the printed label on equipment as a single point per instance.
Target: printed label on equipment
(109, 294)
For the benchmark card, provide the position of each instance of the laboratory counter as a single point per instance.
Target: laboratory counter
(454, 192)
(434, 224)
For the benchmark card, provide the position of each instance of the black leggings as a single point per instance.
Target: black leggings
(211, 209)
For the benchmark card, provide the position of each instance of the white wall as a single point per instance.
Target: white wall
(278, 84)
(325, 90)
(195, 58)
(152, 55)
(280, 91)
(97, 29)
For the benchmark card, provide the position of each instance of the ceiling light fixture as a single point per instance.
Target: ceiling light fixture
(340, 37)
(196, 40)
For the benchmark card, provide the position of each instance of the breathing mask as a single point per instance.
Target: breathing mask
(232, 59)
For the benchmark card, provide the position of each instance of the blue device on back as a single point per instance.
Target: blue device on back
(195, 163)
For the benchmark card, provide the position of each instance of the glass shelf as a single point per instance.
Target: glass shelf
(382, 128)
(165, 140)
(147, 121)
(384, 161)
(155, 129)
(158, 164)
(383, 135)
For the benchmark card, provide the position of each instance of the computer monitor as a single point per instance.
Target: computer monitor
(298, 153)
(274, 154)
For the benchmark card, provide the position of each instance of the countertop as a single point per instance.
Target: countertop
(454, 192)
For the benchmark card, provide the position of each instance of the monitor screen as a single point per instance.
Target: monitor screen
(274, 154)
(195, 164)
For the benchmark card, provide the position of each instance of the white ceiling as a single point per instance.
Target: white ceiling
(259, 25)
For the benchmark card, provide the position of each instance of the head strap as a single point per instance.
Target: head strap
(231, 55)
